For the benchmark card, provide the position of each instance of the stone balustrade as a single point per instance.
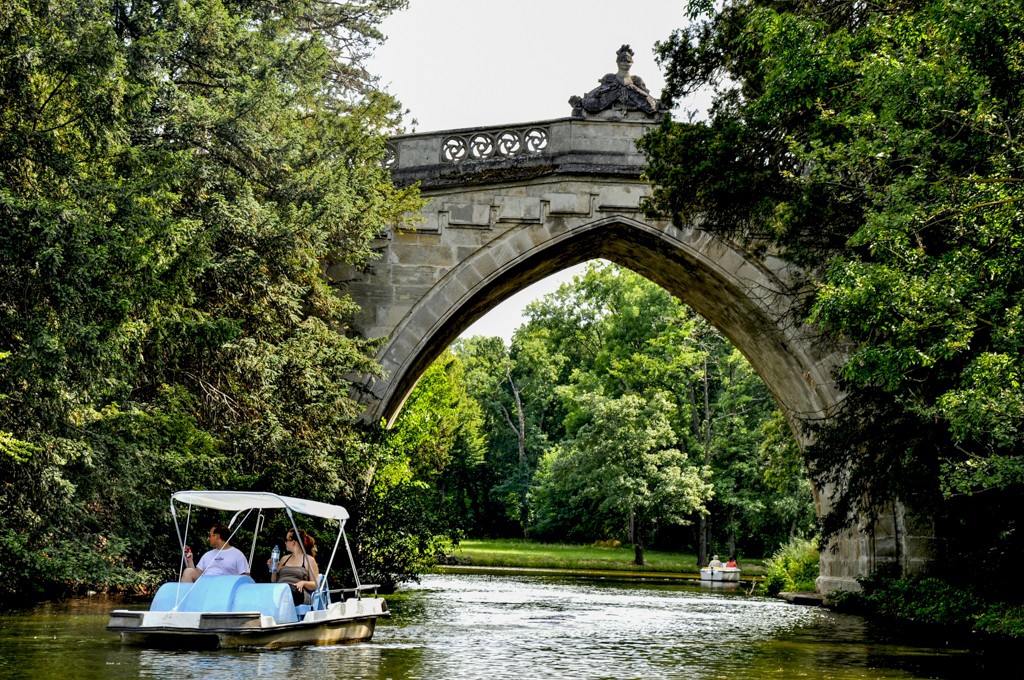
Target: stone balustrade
(511, 152)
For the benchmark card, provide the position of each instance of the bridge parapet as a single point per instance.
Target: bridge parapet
(495, 154)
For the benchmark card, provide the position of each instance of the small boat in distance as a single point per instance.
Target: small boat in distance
(235, 611)
(727, 574)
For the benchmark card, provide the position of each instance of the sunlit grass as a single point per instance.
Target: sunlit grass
(528, 554)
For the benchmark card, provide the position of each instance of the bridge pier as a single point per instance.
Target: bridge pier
(898, 540)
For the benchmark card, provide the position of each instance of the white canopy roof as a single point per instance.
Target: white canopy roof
(233, 501)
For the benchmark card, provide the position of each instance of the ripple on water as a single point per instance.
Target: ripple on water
(505, 627)
(519, 628)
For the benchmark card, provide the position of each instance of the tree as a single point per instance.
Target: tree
(623, 461)
(878, 146)
(515, 388)
(174, 178)
(746, 504)
(421, 498)
(439, 437)
(611, 334)
(487, 366)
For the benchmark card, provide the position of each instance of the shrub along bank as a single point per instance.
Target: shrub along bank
(934, 601)
(793, 568)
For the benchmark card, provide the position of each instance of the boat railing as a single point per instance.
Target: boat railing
(357, 591)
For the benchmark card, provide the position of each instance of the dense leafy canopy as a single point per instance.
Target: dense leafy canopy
(879, 146)
(174, 177)
(618, 413)
(437, 449)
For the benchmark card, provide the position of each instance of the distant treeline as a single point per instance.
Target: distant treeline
(617, 413)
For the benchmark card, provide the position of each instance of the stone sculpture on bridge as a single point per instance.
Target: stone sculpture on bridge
(619, 93)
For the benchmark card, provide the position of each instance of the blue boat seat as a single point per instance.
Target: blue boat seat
(227, 594)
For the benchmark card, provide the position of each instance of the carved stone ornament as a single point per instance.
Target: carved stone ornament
(619, 91)
(486, 144)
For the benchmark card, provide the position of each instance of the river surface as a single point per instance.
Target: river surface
(524, 628)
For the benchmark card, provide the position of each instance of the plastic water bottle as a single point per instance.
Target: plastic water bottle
(275, 557)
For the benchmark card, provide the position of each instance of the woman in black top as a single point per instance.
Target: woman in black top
(298, 568)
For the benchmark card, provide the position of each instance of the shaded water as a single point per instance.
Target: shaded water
(522, 627)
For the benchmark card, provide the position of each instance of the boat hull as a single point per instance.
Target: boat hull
(725, 574)
(330, 632)
(233, 611)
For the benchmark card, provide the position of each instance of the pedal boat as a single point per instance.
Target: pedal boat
(235, 611)
(726, 574)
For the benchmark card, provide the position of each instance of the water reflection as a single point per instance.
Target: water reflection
(497, 627)
(357, 661)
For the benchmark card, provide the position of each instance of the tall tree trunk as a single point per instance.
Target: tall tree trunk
(638, 545)
(524, 471)
(702, 548)
(702, 428)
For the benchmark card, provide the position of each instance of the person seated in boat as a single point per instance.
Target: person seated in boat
(731, 564)
(298, 567)
(223, 559)
(715, 563)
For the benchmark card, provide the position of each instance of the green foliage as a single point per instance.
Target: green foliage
(793, 567)
(1003, 620)
(619, 461)
(175, 176)
(71, 566)
(615, 392)
(878, 146)
(927, 600)
(935, 601)
(515, 390)
(438, 440)
(440, 423)
(397, 535)
(9, 445)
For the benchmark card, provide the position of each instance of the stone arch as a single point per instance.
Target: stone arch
(740, 295)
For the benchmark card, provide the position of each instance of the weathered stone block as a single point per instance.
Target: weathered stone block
(625, 197)
(422, 254)
(413, 278)
(518, 209)
(568, 204)
(468, 214)
(430, 224)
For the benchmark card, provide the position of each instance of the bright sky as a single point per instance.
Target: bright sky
(473, 63)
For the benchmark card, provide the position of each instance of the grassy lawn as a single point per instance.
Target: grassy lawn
(522, 553)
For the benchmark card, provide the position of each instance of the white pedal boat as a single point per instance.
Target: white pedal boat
(728, 574)
(235, 611)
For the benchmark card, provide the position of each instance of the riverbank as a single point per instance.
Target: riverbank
(603, 574)
(973, 609)
(529, 555)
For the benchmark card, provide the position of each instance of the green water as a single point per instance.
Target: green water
(517, 627)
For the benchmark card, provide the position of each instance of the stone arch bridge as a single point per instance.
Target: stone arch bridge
(509, 205)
